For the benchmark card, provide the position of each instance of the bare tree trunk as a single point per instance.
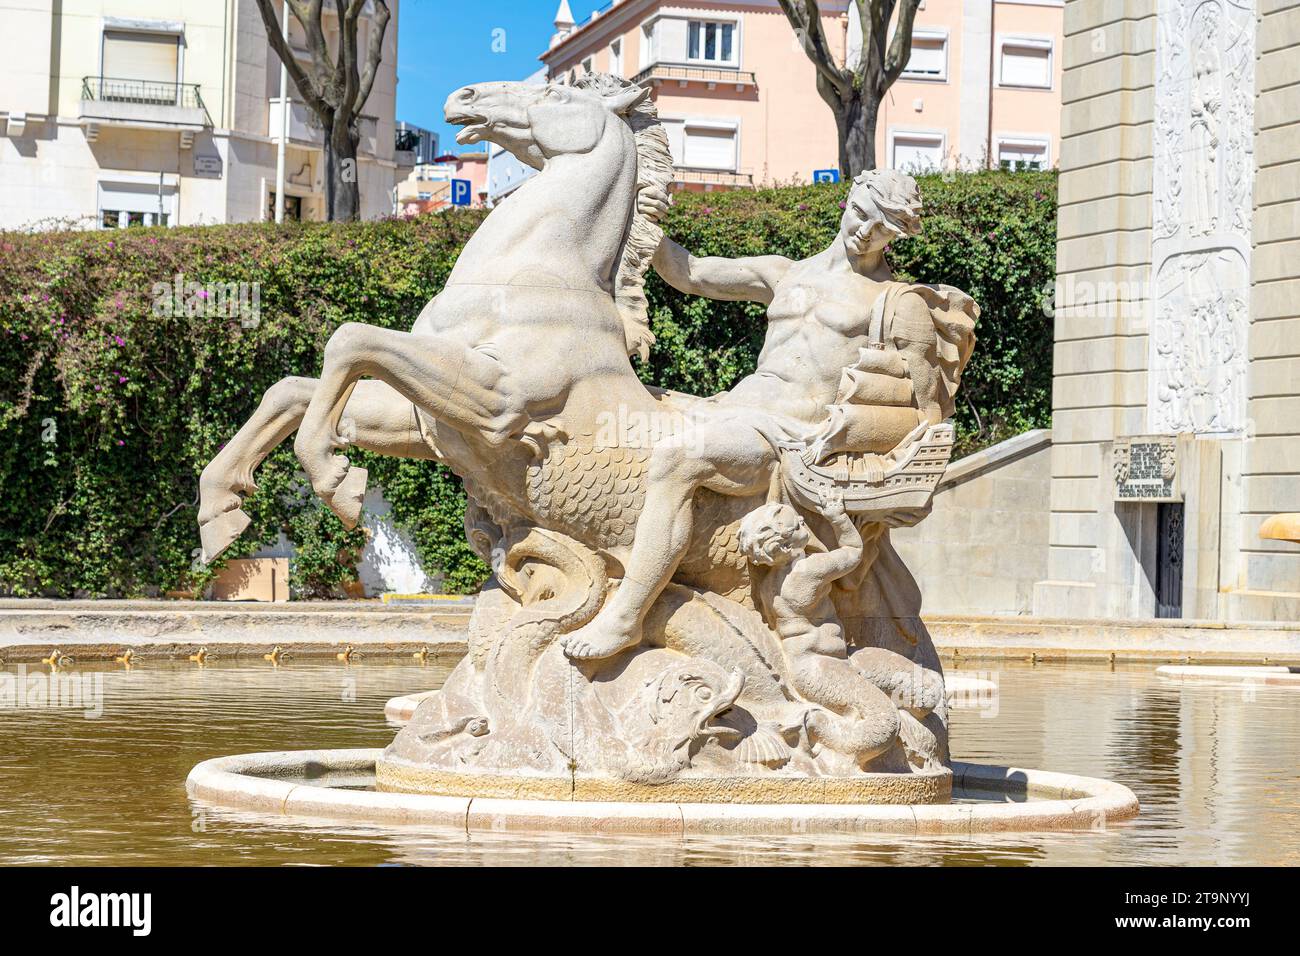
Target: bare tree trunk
(855, 125)
(854, 91)
(336, 87)
(342, 192)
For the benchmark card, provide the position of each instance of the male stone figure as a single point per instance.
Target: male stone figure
(821, 311)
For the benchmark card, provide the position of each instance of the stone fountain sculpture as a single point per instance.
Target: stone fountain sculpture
(694, 598)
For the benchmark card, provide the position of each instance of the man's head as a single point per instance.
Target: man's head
(773, 535)
(883, 205)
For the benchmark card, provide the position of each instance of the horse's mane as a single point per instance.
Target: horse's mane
(654, 171)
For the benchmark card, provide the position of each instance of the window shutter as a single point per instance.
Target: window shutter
(917, 152)
(140, 56)
(708, 148)
(1026, 66)
(927, 58)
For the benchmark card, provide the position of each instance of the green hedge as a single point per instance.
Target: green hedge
(110, 406)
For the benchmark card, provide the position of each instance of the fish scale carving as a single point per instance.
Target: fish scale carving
(591, 493)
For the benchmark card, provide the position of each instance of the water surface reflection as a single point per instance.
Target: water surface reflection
(1214, 767)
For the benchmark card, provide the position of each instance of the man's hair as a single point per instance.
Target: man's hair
(760, 539)
(897, 198)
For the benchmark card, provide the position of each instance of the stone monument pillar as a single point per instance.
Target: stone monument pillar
(1176, 377)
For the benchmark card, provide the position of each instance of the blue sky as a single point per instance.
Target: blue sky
(444, 44)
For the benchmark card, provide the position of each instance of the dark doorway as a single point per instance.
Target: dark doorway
(1169, 560)
(292, 208)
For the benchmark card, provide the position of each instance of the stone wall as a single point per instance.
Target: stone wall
(984, 545)
(1103, 272)
(1267, 574)
(1178, 234)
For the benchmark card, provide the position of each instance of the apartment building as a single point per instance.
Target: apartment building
(739, 99)
(428, 188)
(116, 113)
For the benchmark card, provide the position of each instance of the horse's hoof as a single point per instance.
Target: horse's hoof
(217, 534)
(347, 497)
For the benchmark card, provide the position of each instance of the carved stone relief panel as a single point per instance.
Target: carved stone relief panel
(1203, 172)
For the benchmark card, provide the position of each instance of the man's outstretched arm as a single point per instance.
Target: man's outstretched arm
(751, 279)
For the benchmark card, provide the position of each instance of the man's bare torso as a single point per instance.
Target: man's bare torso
(816, 324)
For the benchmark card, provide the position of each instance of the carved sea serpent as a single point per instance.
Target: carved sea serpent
(585, 580)
(535, 626)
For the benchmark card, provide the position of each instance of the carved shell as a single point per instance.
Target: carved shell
(764, 746)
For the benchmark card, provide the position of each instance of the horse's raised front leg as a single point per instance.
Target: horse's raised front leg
(377, 416)
(453, 383)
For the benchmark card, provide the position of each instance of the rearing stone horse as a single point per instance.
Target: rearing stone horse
(510, 373)
(517, 375)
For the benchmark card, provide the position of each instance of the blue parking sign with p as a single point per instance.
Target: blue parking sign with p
(826, 175)
(461, 190)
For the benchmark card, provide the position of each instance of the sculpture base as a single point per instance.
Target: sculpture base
(921, 787)
(331, 785)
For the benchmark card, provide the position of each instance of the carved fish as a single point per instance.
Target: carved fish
(673, 710)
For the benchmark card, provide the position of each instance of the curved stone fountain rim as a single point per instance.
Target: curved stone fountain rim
(251, 782)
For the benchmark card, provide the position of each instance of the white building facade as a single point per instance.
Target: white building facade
(116, 113)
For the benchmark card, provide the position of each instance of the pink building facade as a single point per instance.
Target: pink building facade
(738, 95)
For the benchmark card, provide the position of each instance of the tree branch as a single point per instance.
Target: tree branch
(306, 90)
(900, 48)
(309, 15)
(806, 19)
(374, 52)
(349, 78)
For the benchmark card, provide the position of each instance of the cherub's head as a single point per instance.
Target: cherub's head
(773, 535)
(883, 205)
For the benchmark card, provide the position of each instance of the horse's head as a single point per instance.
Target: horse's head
(539, 122)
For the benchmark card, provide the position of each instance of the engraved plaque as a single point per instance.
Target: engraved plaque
(1146, 468)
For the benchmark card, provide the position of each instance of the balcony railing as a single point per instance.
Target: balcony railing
(711, 177)
(711, 76)
(106, 89)
(407, 140)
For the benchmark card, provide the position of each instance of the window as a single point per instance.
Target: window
(124, 218)
(140, 67)
(709, 42)
(586, 65)
(1025, 62)
(929, 59)
(127, 204)
(916, 152)
(702, 144)
(616, 58)
(292, 208)
(1022, 153)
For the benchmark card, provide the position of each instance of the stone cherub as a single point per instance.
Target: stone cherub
(864, 712)
(793, 589)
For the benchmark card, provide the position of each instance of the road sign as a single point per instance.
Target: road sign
(461, 192)
(826, 175)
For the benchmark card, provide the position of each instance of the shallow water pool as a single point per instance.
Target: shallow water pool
(99, 777)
